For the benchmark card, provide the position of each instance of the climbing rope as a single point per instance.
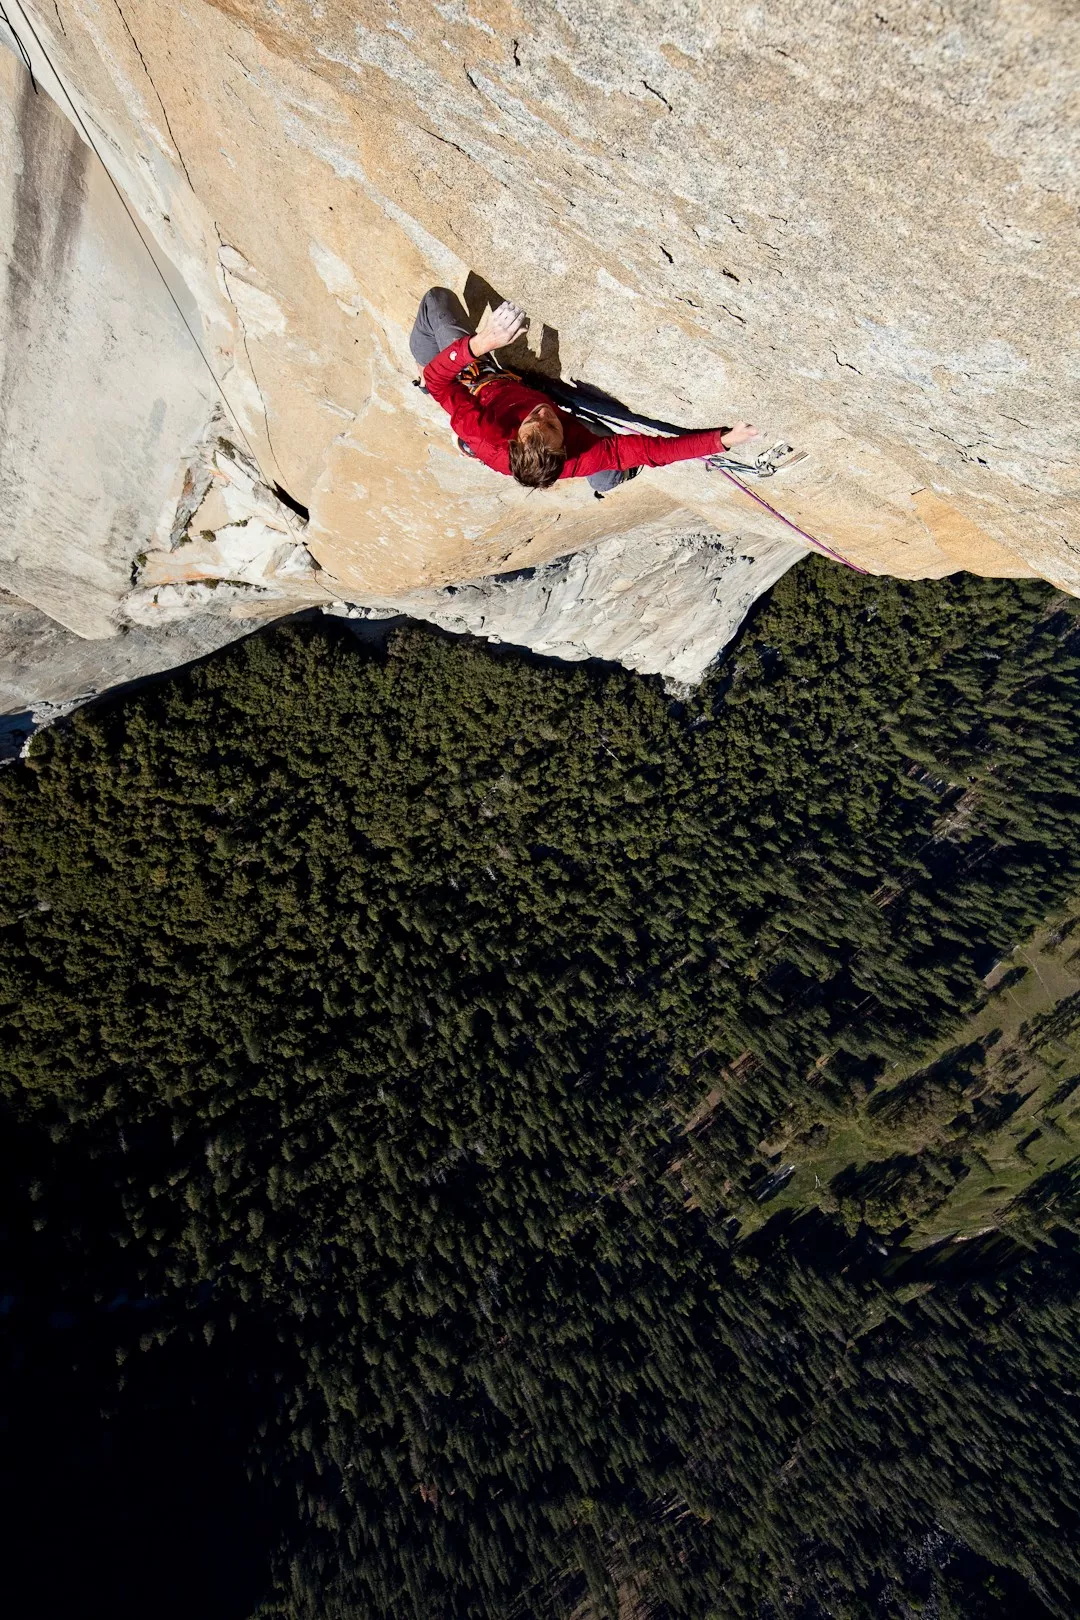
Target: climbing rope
(714, 465)
(23, 52)
(591, 406)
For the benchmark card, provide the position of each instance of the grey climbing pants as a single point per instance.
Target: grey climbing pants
(440, 319)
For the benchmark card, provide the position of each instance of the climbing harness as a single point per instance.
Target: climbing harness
(482, 373)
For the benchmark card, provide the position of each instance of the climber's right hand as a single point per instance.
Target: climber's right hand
(500, 328)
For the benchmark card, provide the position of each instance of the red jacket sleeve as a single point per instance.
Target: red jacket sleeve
(440, 374)
(624, 450)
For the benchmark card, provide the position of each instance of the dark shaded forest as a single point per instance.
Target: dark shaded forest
(392, 1045)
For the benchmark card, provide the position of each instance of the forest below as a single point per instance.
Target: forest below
(486, 1140)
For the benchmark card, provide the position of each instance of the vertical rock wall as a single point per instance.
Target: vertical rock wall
(855, 226)
(102, 397)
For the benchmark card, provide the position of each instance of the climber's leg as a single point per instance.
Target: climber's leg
(440, 319)
(611, 477)
(606, 480)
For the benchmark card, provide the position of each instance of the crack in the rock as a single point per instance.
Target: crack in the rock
(444, 142)
(658, 96)
(157, 92)
(262, 395)
(251, 366)
(961, 450)
(846, 364)
(59, 19)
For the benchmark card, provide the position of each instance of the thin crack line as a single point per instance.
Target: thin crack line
(444, 142)
(657, 94)
(251, 368)
(153, 86)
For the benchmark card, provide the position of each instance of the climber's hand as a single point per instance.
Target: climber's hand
(741, 433)
(498, 329)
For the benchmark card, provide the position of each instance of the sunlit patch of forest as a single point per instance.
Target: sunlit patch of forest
(483, 1138)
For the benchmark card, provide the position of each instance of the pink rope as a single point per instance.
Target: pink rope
(820, 544)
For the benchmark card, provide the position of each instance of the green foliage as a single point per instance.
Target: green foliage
(359, 1003)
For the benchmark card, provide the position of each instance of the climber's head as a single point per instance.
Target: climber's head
(538, 452)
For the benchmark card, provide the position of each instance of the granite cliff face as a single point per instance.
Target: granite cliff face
(855, 226)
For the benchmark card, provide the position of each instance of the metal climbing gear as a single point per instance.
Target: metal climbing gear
(766, 465)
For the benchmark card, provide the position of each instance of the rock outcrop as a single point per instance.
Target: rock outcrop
(663, 599)
(660, 600)
(855, 226)
(46, 671)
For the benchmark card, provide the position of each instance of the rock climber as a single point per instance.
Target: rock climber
(518, 430)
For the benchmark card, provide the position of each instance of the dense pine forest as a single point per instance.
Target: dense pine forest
(485, 1140)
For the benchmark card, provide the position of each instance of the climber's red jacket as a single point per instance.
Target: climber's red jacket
(488, 413)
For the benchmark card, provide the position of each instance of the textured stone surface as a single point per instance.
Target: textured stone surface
(161, 551)
(180, 555)
(664, 599)
(234, 546)
(47, 670)
(853, 223)
(102, 396)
